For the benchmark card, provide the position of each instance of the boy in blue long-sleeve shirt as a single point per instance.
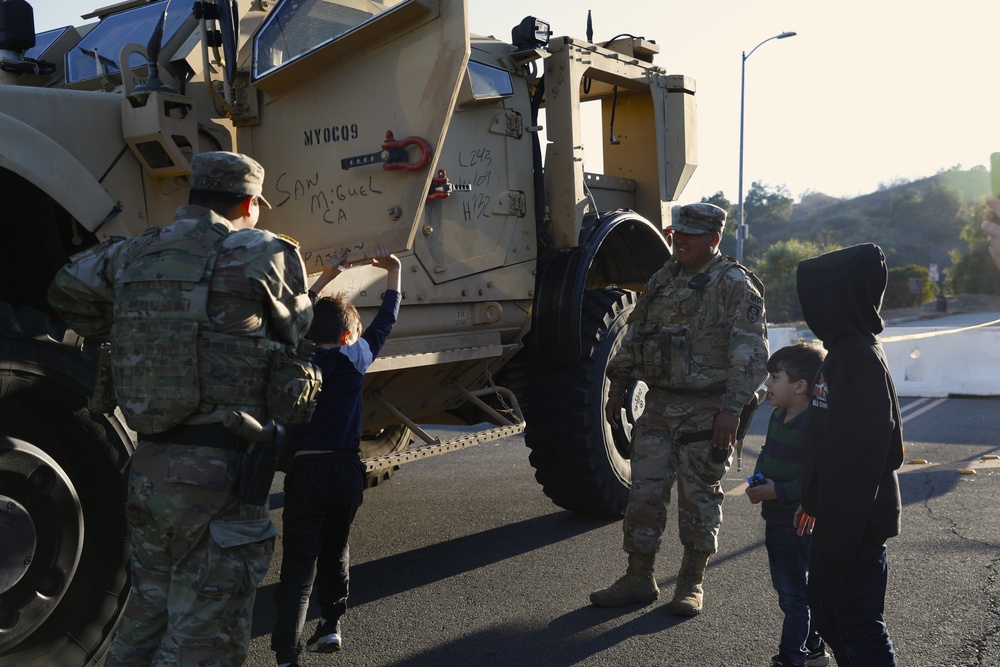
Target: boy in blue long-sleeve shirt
(325, 486)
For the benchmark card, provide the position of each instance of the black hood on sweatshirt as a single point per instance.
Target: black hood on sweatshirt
(853, 440)
(841, 292)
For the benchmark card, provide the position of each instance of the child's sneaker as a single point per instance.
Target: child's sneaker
(818, 657)
(326, 639)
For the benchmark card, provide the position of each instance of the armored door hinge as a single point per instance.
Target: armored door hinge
(509, 123)
(512, 202)
(243, 109)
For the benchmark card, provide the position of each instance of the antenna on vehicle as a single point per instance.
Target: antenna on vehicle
(611, 126)
(152, 82)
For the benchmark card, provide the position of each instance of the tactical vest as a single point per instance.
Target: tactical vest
(684, 345)
(165, 358)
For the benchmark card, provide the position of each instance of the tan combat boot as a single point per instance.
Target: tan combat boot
(689, 593)
(638, 584)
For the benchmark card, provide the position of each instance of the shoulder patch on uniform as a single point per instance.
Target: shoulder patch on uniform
(755, 299)
(753, 314)
(289, 239)
(751, 276)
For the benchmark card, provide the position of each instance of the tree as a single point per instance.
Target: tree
(927, 220)
(777, 270)
(812, 200)
(768, 212)
(895, 182)
(899, 288)
(720, 200)
(973, 272)
(764, 203)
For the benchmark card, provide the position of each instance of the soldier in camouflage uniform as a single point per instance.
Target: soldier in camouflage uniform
(697, 337)
(193, 312)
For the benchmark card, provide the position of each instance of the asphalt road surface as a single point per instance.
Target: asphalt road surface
(461, 560)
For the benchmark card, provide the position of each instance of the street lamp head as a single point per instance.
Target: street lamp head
(779, 36)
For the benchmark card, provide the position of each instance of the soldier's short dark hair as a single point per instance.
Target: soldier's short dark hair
(333, 316)
(220, 202)
(800, 361)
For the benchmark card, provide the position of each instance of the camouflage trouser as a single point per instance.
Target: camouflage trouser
(656, 462)
(198, 555)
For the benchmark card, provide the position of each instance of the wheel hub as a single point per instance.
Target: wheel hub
(41, 529)
(17, 532)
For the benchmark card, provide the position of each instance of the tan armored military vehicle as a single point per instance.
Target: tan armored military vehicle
(380, 121)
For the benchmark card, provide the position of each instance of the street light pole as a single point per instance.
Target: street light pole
(741, 228)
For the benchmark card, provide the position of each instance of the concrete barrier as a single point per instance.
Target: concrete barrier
(779, 337)
(930, 362)
(934, 362)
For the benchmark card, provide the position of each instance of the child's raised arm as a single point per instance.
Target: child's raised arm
(386, 260)
(333, 266)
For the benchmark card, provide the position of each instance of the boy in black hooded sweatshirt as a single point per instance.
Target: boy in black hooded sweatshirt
(853, 446)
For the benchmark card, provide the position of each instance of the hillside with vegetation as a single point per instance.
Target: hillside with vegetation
(931, 221)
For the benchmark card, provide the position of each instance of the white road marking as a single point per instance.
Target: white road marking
(910, 415)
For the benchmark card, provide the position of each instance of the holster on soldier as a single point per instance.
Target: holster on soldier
(256, 468)
(257, 461)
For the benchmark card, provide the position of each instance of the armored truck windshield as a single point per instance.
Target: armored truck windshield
(298, 27)
(106, 40)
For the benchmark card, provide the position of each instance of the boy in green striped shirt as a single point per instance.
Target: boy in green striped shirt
(791, 371)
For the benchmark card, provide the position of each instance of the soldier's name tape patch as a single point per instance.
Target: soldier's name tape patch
(755, 299)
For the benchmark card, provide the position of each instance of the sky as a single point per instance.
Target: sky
(868, 93)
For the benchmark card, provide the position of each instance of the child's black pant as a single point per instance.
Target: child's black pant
(322, 495)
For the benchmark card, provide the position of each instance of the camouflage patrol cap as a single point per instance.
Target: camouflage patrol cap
(220, 171)
(701, 218)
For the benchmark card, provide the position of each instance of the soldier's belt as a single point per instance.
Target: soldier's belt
(694, 436)
(200, 435)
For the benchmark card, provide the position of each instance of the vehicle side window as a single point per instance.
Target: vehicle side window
(297, 27)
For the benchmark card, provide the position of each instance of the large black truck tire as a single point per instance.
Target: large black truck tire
(580, 463)
(63, 564)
